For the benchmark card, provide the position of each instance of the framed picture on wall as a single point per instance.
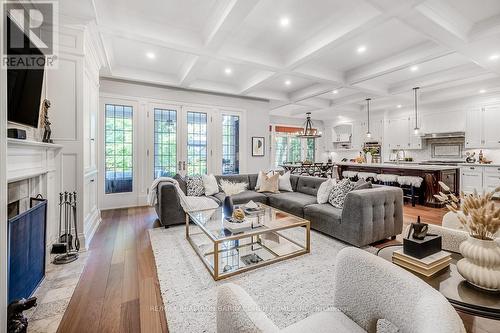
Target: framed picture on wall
(258, 147)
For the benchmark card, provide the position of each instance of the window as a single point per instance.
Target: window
(295, 150)
(196, 143)
(230, 144)
(165, 132)
(118, 149)
(281, 150)
(310, 149)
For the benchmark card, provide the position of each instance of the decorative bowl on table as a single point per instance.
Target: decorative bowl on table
(237, 222)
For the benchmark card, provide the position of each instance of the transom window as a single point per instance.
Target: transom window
(230, 144)
(165, 132)
(118, 148)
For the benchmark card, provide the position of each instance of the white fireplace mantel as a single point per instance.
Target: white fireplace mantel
(28, 159)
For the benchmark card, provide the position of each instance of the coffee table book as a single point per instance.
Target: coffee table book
(426, 266)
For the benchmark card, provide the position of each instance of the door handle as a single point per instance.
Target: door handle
(184, 165)
(180, 165)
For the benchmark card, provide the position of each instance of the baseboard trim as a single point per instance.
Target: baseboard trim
(94, 220)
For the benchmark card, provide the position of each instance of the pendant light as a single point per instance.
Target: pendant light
(368, 133)
(309, 132)
(416, 129)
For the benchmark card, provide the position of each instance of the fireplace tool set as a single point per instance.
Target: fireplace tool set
(68, 245)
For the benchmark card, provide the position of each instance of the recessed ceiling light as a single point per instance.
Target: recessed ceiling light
(361, 49)
(284, 21)
(335, 91)
(288, 82)
(150, 55)
(482, 91)
(228, 71)
(414, 68)
(399, 106)
(494, 56)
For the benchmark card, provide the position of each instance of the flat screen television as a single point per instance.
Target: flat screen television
(24, 86)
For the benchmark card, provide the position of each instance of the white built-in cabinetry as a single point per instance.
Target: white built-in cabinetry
(399, 134)
(482, 124)
(479, 178)
(73, 90)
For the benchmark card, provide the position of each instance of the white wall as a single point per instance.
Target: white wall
(255, 122)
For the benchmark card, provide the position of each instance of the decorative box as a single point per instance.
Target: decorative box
(236, 227)
(421, 248)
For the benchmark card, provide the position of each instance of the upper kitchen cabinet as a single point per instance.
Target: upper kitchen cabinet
(482, 124)
(399, 134)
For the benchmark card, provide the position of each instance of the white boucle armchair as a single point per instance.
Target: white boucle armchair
(369, 295)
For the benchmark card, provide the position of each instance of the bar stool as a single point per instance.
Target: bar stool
(349, 174)
(368, 176)
(387, 179)
(410, 186)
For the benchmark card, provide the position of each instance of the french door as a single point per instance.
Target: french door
(181, 140)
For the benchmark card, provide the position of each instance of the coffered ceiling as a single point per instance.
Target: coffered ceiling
(323, 56)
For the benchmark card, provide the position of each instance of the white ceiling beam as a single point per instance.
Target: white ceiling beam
(436, 78)
(485, 28)
(310, 91)
(257, 81)
(417, 54)
(316, 102)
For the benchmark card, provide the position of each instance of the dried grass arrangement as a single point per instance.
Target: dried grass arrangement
(476, 212)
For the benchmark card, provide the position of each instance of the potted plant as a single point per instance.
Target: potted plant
(369, 152)
(480, 216)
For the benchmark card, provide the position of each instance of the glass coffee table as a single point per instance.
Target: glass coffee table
(462, 295)
(273, 236)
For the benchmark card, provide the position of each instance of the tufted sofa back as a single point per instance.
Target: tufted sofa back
(309, 185)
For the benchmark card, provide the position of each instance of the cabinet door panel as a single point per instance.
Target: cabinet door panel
(471, 179)
(473, 133)
(491, 127)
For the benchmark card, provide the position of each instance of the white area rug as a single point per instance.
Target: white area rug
(287, 291)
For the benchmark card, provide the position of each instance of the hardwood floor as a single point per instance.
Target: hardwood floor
(119, 291)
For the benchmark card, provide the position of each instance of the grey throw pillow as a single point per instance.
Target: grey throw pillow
(362, 185)
(339, 192)
(195, 186)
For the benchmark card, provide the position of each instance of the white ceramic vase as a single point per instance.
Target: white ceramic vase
(481, 263)
(369, 157)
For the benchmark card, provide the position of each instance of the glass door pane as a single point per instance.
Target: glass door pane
(230, 144)
(196, 143)
(118, 148)
(165, 142)
(281, 150)
(294, 153)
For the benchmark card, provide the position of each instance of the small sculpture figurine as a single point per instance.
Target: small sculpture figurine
(471, 158)
(16, 321)
(46, 123)
(419, 230)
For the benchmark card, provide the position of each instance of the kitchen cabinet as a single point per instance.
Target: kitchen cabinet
(491, 179)
(482, 124)
(399, 134)
(443, 122)
(471, 178)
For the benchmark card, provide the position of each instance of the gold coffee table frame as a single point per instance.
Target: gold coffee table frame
(255, 239)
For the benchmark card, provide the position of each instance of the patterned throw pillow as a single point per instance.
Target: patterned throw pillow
(339, 192)
(195, 186)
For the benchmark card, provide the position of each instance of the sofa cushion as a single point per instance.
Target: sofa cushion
(323, 214)
(331, 320)
(182, 183)
(309, 185)
(252, 181)
(294, 179)
(243, 197)
(292, 202)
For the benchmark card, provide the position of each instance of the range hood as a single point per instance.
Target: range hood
(446, 135)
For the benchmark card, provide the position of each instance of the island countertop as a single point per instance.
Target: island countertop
(423, 167)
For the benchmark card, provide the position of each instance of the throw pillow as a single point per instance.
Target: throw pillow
(339, 192)
(284, 182)
(231, 188)
(324, 190)
(194, 186)
(210, 184)
(270, 184)
(362, 185)
(260, 176)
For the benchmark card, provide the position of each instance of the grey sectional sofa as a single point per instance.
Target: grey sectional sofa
(368, 215)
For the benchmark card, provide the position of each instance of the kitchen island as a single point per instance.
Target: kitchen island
(431, 174)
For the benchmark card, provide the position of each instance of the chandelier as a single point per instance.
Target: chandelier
(309, 131)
